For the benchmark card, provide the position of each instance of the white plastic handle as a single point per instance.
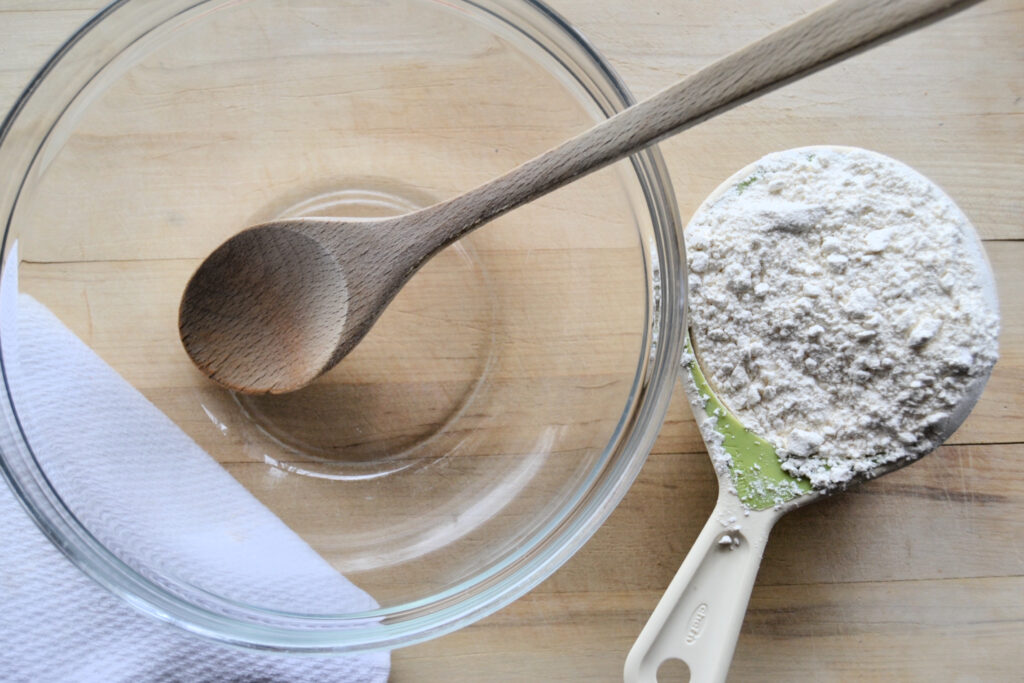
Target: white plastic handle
(698, 619)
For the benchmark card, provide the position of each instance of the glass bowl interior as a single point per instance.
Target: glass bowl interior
(489, 422)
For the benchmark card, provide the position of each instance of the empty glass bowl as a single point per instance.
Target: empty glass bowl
(468, 447)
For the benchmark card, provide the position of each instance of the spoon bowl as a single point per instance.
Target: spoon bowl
(271, 288)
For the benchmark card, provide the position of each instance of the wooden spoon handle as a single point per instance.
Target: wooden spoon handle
(827, 35)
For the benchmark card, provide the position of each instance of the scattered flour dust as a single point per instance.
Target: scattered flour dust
(839, 308)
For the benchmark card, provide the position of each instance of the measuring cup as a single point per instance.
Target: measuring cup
(698, 619)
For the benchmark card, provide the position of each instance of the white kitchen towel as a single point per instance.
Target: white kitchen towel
(155, 498)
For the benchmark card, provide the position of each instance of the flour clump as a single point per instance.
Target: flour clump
(839, 309)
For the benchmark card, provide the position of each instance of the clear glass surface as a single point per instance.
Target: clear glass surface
(501, 406)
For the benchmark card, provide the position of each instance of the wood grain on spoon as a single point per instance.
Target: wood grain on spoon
(279, 304)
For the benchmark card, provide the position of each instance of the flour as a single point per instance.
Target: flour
(838, 307)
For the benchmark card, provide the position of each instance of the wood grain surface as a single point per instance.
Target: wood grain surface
(917, 576)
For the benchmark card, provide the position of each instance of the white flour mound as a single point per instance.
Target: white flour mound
(839, 309)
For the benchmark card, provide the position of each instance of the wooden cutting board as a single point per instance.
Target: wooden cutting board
(918, 576)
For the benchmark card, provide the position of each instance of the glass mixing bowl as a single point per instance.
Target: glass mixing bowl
(475, 439)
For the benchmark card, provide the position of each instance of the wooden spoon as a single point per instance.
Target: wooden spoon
(279, 304)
